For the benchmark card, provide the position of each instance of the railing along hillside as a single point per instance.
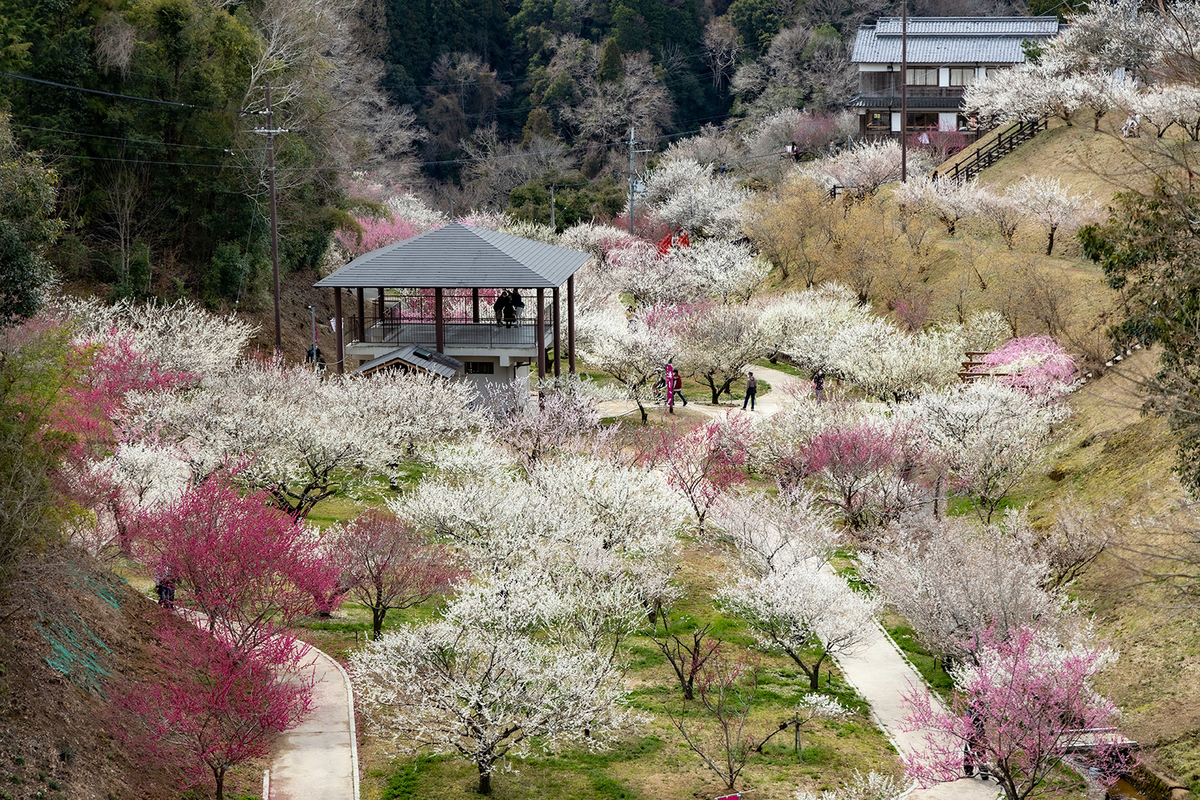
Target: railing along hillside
(989, 153)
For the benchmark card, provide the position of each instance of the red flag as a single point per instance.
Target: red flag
(683, 240)
(664, 245)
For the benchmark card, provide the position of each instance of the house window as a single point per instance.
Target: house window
(879, 120)
(962, 76)
(923, 76)
(994, 71)
(922, 120)
(479, 367)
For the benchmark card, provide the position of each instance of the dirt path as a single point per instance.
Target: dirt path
(318, 759)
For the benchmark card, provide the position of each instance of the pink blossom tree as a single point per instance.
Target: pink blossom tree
(210, 706)
(1020, 710)
(1037, 365)
(705, 462)
(388, 565)
(372, 234)
(249, 568)
(863, 470)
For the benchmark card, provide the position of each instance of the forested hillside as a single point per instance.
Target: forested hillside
(151, 111)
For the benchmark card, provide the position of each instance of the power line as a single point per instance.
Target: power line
(126, 140)
(126, 96)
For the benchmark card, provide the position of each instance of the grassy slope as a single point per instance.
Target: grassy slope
(1108, 453)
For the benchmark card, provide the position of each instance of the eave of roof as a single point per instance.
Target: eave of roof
(460, 256)
(417, 356)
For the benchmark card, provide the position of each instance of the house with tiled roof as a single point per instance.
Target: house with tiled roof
(945, 55)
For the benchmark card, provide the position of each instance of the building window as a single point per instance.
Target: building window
(922, 120)
(994, 71)
(962, 76)
(479, 367)
(923, 76)
(879, 120)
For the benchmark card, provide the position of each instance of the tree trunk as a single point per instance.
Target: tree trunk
(377, 615)
(1050, 244)
(485, 778)
(219, 774)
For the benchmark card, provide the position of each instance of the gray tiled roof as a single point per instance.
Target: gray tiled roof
(460, 256)
(414, 355)
(970, 26)
(893, 102)
(951, 40)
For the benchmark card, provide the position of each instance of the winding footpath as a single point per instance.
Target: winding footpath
(878, 670)
(318, 760)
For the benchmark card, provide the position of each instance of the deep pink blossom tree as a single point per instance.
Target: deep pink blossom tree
(863, 470)
(1019, 710)
(705, 462)
(210, 706)
(248, 567)
(387, 565)
(100, 377)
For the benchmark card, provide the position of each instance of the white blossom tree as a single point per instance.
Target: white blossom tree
(807, 613)
(687, 195)
(633, 351)
(485, 695)
(303, 439)
(987, 436)
(717, 343)
(1048, 201)
(957, 581)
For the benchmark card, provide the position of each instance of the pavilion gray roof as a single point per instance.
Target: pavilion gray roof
(460, 256)
(414, 355)
(951, 40)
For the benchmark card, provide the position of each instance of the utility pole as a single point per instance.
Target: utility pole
(632, 151)
(270, 132)
(904, 91)
(553, 227)
(631, 145)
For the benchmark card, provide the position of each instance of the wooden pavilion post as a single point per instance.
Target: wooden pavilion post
(540, 332)
(362, 316)
(439, 328)
(475, 305)
(337, 319)
(381, 301)
(557, 337)
(571, 324)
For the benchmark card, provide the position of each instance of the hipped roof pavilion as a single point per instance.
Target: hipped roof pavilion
(459, 256)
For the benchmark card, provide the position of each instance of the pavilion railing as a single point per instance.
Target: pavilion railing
(457, 331)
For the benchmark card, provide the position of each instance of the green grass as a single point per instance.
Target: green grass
(928, 666)
(780, 366)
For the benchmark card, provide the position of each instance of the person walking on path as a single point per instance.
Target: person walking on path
(675, 380)
(751, 391)
(669, 377)
(819, 385)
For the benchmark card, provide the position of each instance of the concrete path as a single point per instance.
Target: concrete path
(878, 671)
(765, 404)
(883, 676)
(318, 759)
